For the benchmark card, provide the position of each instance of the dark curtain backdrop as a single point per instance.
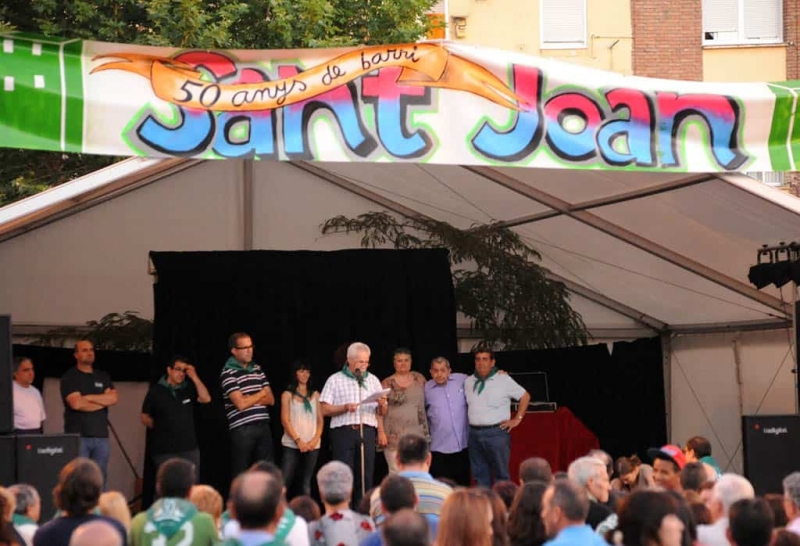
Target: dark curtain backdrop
(619, 396)
(296, 305)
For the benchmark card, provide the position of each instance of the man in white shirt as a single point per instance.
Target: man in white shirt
(340, 400)
(729, 489)
(28, 406)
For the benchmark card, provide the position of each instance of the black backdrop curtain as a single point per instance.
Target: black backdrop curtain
(619, 396)
(296, 305)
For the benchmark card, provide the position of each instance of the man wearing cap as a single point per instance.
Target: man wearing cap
(668, 461)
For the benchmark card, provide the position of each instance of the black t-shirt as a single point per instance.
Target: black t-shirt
(173, 418)
(59, 531)
(89, 424)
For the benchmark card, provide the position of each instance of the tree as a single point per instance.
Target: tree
(500, 286)
(214, 24)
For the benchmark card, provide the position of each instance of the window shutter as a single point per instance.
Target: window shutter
(763, 19)
(721, 15)
(563, 22)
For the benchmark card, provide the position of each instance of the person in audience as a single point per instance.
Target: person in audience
(27, 512)
(173, 519)
(396, 493)
(775, 502)
(727, 490)
(113, 505)
(685, 514)
(668, 461)
(7, 516)
(168, 411)
(291, 529)
(209, 501)
(649, 518)
(590, 473)
(489, 397)
(614, 496)
(413, 462)
(87, 394)
(80, 483)
(446, 408)
(466, 519)
(303, 422)
(535, 469)
(29, 414)
(305, 507)
(706, 495)
(406, 528)
(698, 450)
(339, 524)
(565, 506)
(365, 504)
(7, 535)
(507, 490)
(700, 512)
(95, 533)
(499, 518)
(256, 502)
(751, 523)
(693, 476)
(782, 537)
(632, 474)
(246, 393)
(791, 501)
(406, 411)
(525, 526)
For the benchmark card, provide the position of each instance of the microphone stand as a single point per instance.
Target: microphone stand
(361, 431)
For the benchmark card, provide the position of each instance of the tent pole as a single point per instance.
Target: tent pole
(247, 204)
(793, 346)
(666, 359)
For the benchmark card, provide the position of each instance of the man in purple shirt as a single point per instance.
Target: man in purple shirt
(446, 406)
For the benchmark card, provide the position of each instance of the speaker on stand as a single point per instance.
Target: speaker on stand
(6, 393)
(40, 459)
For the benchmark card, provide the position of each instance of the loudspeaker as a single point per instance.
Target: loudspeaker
(771, 450)
(6, 399)
(39, 461)
(8, 461)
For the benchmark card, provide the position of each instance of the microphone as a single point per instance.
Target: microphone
(359, 375)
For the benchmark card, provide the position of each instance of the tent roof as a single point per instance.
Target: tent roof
(654, 251)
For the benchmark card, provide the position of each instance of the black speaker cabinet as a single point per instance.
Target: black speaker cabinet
(6, 400)
(39, 461)
(771, 450)
(8, 461)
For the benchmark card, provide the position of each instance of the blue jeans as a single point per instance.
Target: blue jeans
(292, 458)
(250, 443)
(489, 453)
(98, 450)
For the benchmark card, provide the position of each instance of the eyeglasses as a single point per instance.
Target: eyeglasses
(243, 348)
(181, 370)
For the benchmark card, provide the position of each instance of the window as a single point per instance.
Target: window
(740, 22)
(563, 24)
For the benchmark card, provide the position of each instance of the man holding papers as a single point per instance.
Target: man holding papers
(353, 397)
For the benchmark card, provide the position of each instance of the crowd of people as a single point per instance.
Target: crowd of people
(682, 504)
(447, 445)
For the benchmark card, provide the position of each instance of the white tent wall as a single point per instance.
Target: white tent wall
(707, 398)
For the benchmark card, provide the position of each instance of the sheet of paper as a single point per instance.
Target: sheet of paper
(375, 395)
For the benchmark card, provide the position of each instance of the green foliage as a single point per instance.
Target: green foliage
(214, 24)
(500, 287)
(116, 332)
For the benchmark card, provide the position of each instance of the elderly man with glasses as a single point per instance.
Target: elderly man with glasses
(168, 411)
(247, 395)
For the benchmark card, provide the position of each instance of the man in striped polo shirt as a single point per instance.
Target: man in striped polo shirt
(246, 393)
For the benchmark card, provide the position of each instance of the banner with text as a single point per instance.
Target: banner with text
(434, 102)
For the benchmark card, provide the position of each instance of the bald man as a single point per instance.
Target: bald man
(256, 503)
(95, 533)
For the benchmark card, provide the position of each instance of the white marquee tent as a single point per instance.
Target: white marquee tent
(643, 254)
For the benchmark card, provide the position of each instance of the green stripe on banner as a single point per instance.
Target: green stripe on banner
(73, 78)
(31, 92)
(779, 133)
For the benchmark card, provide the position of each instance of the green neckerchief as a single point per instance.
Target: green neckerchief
(480, 382)
(19, 519)
(346, 371)
(164, 383)
(169, 514)
(306, 401)
(233, 364)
